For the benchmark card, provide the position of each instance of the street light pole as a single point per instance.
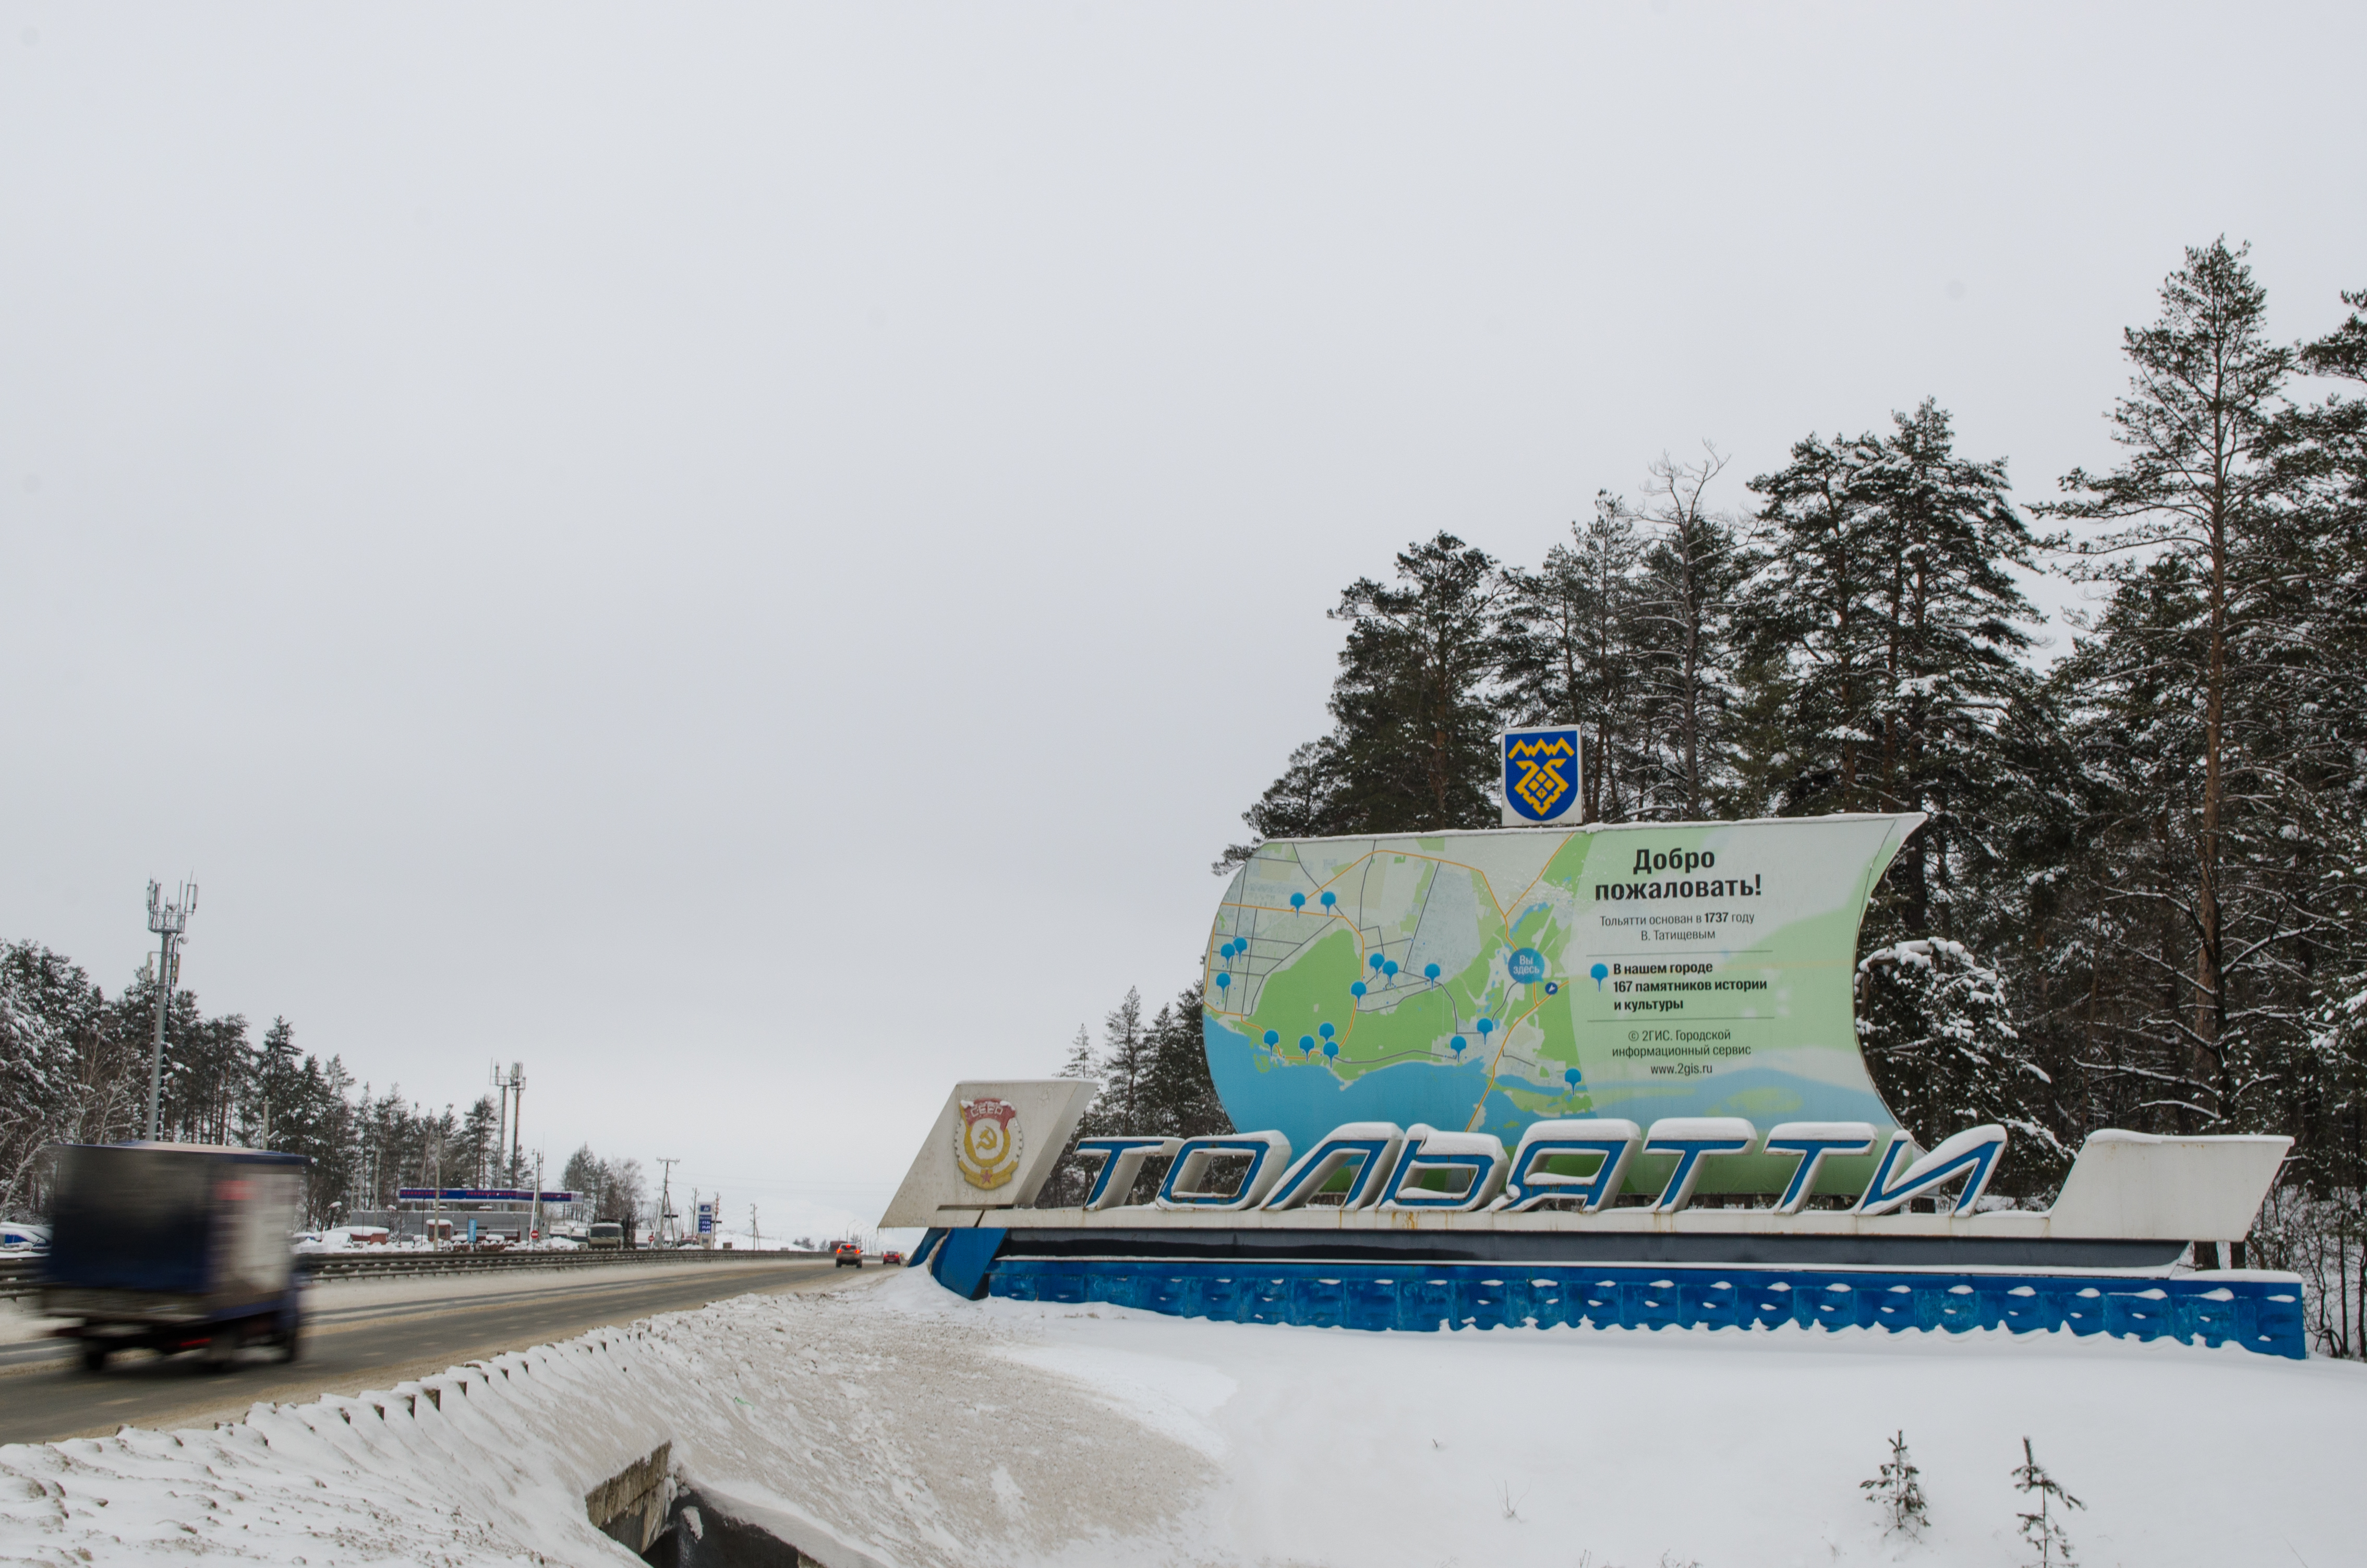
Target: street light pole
(167, 921)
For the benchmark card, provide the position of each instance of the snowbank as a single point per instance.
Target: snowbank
(888, 1423)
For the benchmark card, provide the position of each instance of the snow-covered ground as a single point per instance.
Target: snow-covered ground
(885, 1422)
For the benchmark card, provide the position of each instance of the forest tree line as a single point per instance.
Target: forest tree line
(74, 1068)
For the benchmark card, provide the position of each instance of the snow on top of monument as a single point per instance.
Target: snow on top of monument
(891, 1423)
(1551, 831)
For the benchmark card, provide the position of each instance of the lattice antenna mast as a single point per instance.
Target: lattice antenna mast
(167, 921)
(509, 1137)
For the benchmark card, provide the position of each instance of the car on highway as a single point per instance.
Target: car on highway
(891, 1260)
(846, 1253)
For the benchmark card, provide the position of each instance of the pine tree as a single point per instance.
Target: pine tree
(1694, 564)
(1415, 700)
(477, 1150)
(1415, 708)
(2043, 1529)
(1569, 653)
(273, 1082)
(1180, 1098)
(1889, 613)
(1126, 1064)
(2181, 515)
(1939, 1042)
(584, 1177)
(1154, 1083)
(1079, 1063)
(64, 1076)
(1899, 1492)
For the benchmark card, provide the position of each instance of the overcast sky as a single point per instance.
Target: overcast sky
(750, 556)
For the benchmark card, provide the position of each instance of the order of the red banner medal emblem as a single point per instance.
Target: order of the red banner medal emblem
(986, 1144)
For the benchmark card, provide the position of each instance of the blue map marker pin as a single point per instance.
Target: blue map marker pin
(1572, 1076)
(1272, 1038)
(1457, 1043)
(1324, 1030)
(1306, 1044)
(1390, 969)
(1375, 960)
(1331, 1048)
(1224, 982)
(1299, 901)
(1429, 971)
(1330, 899)
(1355, 988)
(1486, 1027)
(1600, 973)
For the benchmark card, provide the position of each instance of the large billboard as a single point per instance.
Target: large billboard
(1483, 980)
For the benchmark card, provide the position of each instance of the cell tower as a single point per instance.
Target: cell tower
(513, 1088)
(167, 921)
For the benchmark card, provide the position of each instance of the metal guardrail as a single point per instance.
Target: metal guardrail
(346, 1264)
(21, 1277)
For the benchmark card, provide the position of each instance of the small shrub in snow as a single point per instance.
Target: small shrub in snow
(2044, 1530)
(1896, 1492)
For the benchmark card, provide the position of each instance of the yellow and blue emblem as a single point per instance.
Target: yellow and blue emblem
(1540, 774)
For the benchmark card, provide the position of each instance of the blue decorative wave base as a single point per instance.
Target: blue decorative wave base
(2260, 1312)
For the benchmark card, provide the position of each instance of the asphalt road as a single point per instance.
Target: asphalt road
(46, 1395)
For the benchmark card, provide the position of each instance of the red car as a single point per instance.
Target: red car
(847, 1253)
(891, 1260)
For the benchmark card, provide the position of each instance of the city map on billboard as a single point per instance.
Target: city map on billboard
(1483, 980)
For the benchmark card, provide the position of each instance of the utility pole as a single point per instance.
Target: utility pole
(755, 1236)
(502, 1129)
(167, 921)
(665, 1199)
(536, 1236)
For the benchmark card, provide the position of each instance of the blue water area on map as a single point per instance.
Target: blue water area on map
(1305, 1102)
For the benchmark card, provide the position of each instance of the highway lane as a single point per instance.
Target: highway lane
(366, 1336)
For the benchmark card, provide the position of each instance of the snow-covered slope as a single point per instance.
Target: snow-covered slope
(892, 1424)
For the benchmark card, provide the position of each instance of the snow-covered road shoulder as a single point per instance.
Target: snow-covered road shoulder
(895, 1424)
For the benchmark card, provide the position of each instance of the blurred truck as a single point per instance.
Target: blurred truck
(176, 1246)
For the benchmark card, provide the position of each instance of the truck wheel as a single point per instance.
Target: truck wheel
(220, 1349)
(94, 1355)
(291, 1344)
